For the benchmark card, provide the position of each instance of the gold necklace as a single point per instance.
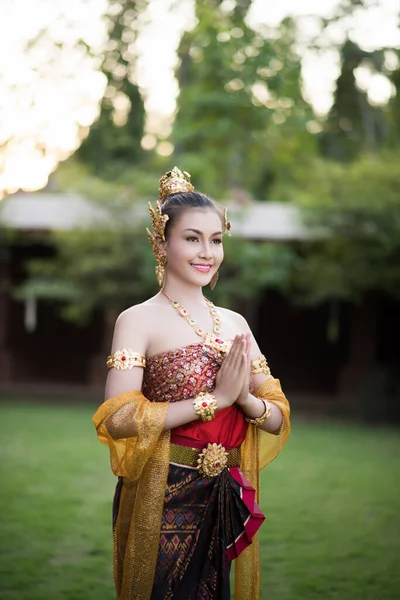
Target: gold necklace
(209, 339)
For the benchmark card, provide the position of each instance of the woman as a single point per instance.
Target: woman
(191, 415)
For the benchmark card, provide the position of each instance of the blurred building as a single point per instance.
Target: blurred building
(38, 348)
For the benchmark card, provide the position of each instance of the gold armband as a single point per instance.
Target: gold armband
(125, 359)
(204, 406)
(260, 366)
(264, 417)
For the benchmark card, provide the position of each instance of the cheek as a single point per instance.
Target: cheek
(219, 253)
(178, 249)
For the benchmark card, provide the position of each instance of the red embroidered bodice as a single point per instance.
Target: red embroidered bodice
(183, 373)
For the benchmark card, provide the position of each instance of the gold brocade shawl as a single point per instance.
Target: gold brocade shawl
(258, 449)
(132, 428)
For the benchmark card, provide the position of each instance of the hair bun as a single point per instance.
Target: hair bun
(173, 182)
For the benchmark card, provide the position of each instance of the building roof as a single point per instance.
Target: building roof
(46, 211)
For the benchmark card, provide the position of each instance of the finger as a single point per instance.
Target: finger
(239, 357)
(248, 343)
(233, 352)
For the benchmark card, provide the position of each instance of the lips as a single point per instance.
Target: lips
(202, 268)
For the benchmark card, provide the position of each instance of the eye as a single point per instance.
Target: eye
(192, 238)
(217, 241)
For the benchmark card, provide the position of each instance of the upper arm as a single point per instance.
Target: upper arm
(129, 333)
(263, 373)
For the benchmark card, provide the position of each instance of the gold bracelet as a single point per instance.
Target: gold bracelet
(264, 417)
(204, 406)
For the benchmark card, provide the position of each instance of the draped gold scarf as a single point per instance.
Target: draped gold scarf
(132, 428)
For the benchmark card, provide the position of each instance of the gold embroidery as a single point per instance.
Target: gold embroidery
(260, 366)
(125, 359)
(206, 459)
(142, 461)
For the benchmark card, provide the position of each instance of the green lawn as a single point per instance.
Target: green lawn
(331, 501)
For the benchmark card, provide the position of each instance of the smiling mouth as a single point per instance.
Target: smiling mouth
(202, 268)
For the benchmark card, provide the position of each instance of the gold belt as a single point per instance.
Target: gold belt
(210, 461)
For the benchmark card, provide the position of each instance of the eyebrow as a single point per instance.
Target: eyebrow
(201, 233)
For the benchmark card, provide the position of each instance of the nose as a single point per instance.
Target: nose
(205, 251)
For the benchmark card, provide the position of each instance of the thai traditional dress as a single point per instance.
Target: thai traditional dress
(177, 529)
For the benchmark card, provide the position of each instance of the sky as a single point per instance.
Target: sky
(49, 98)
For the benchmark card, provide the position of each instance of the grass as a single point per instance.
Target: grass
(331, 502)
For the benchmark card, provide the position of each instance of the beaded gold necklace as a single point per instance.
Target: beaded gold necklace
(209, 339)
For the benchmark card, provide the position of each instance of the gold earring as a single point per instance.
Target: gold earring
(214, 280)
(160, 269)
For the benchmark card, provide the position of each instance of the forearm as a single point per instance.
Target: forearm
(182, 412)
(254, 407)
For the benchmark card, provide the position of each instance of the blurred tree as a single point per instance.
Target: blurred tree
(238, 86)
(394, 104)
(353, 123)
(249, 268)
(114, 140)
(353, 212)
(108, 265)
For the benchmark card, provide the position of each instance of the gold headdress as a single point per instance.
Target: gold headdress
(172, 182)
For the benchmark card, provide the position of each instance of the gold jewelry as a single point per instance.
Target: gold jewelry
(125, 359)
(264, 417)
(184, 313)
(212, 460)
(158, 221)
(173, 182)
(204, 406)
(260, 366)
(227, 224)
(208, 460)
(210, 340)
(214, 280)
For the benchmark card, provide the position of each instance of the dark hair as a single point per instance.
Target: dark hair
(175, 204)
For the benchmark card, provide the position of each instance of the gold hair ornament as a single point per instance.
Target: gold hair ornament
(158, 221)
(174, 182)
(227, 224)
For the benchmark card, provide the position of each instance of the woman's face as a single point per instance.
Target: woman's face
(194, 245)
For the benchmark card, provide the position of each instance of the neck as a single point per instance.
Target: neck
(183, 292)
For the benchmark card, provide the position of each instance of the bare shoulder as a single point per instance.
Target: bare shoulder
(234, 317)
(134, 316)
(134, 326)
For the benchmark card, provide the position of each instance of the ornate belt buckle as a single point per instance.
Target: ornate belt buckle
(212, 460)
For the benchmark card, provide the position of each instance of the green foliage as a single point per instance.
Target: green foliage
(241, 113)
(249, 268)
(353, 123)
(114, 141)
(107, 264)
(110, 264)
(353, 213)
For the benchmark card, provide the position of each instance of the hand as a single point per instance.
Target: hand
(231, 376)
(243, 397)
